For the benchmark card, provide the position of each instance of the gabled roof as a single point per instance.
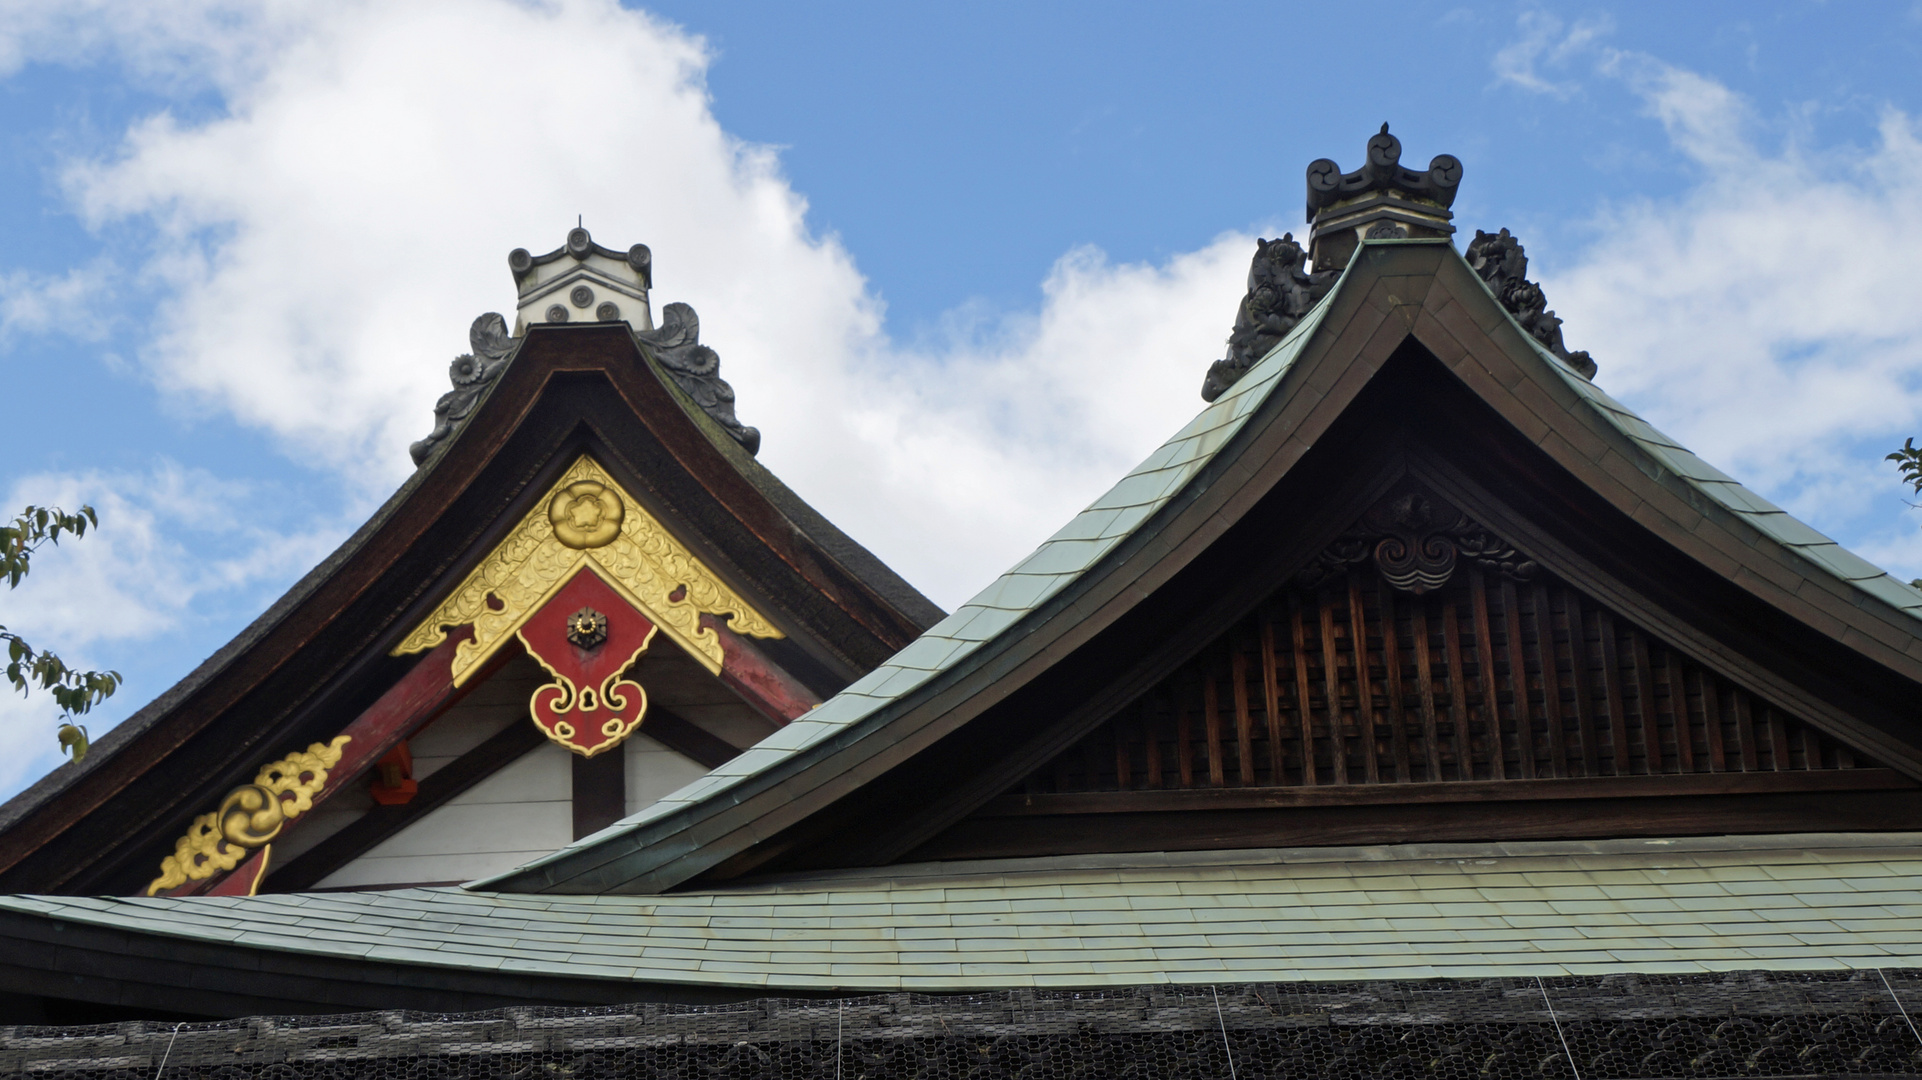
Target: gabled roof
(1828, 633)
(321, 653)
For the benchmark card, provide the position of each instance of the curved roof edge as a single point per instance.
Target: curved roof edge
(1823, 554)
(1059, 560)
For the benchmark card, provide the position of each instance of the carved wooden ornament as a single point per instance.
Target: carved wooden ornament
(1416, 540)
(586, 520)
(589, 707)
(250, 816)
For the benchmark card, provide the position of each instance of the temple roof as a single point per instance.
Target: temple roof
(694, 892)
(1299, 388)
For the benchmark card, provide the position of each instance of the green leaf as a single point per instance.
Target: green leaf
(73, 691)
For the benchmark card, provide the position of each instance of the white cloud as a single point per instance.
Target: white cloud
(1767, 318)
(324, 244)
(1545, 41)
(318, 248)
(76, 303)
(183, 45)
(174, 551)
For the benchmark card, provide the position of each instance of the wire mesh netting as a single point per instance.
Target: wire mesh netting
(1743, 1024)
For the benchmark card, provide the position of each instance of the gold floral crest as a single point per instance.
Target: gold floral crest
(587, 517)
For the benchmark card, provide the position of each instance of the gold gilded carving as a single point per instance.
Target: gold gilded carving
(250, 816)
(585, 514)
(587, 518)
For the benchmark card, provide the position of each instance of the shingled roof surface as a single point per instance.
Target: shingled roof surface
(1108, 521)
(1402, 912)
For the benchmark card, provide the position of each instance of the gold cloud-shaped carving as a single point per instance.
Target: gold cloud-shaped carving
(250, 816)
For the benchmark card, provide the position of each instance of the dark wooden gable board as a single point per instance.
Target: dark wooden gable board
(1410, 326)
(1453, 721)
(319, 656)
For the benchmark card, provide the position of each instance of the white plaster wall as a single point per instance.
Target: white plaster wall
(526, 810)
(520, 813)
(488, 708)
(677, 682)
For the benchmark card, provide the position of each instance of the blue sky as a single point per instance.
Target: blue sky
(964, 265)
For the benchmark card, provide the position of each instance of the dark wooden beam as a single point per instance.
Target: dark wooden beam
(1321, 826)
(1602, 787)
(687, 739)
(600, 790)
(443, 784)
(761, 682)
(426, 691)
(321, 653)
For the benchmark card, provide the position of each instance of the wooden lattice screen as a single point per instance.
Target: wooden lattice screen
(1486, 678)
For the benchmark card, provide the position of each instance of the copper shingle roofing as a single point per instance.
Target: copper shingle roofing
(1402, 912)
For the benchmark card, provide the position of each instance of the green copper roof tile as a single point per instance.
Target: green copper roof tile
(1738, 498)
(984, 623)
(1062, 557)
(1843, 563)
(1788, 530)
(1895, 593)
(1142, 491)
(1643, 432)
(1094, 534)
(926, 653)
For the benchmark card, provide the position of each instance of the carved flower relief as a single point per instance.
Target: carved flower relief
(585, 513)
(466, 370)
(250, 815)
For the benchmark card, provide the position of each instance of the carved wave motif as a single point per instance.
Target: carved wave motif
(1416, 541)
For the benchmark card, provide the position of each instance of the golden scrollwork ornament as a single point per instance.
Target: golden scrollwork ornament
(249, 816)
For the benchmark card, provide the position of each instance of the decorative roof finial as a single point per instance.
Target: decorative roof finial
(1381, 200)
(602, 285)
(580, 277)
(1499, 259)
